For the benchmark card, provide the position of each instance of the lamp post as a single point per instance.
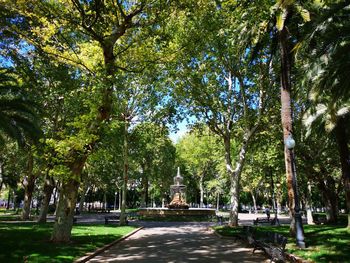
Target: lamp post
(290, 144)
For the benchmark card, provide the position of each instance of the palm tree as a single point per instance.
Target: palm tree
(332, 118)
(18, 117)
(328, 44)
(287, 23)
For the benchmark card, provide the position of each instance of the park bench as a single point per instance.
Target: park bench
(248, 234)
(261, 220)
(273, 244)
(115, 218)
(319, 219)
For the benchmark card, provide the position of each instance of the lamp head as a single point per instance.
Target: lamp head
(290, 142)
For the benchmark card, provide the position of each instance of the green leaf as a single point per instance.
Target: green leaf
(305, 14)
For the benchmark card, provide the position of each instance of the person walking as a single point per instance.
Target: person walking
(267, 211)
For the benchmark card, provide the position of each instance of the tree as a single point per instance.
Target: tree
(329, 45)
(218, 85)
(152, 150)
(68, 31)
(196, 150)
(18, 117)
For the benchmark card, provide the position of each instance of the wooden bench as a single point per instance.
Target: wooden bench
(262, 220)
(115, 218)
(273, 244)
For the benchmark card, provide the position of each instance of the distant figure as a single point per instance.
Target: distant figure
(267, 211)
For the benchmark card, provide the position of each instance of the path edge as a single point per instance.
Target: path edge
(90, 255)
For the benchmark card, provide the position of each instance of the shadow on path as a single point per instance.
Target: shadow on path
(177, 242)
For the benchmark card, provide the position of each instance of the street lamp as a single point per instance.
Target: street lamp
(290, 144)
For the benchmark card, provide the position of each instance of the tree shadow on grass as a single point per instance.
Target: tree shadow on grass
(31, 242)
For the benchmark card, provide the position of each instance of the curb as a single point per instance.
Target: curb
(223, 237)
(90, 255)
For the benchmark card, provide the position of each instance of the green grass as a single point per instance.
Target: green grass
(324, 243)
(19, 241)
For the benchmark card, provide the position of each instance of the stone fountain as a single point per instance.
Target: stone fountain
(178, 206)
(178, 193)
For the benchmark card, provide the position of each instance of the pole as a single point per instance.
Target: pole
(297, 216)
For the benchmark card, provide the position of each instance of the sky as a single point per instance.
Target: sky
(175, 136)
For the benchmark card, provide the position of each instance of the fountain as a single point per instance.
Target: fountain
(178, 193)
(178, 206)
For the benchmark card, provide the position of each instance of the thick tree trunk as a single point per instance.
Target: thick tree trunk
(236, 173)
(49, 185)
(201, 192)
(234, 198)
(344, 155)
(65, 211)
(66, 203)
(125, 174)
(29, 185)
(330, 197)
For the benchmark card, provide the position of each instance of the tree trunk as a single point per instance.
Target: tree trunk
(236, 173)
(286, 117)
(49, 185)
(8, 200)
(65, 211)
(201, 191)
(66, 203)
(344, 155)
(85, 191)
(144, 182)
(29, 185)
(125, 174)
(120, 200)
(218, 201)
(233, 221)
(309, 217)
(254, 201)
(331, 200)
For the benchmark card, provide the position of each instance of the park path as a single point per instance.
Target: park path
(177, 242)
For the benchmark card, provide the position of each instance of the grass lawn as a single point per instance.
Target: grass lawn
(324, 243)
(31, 241)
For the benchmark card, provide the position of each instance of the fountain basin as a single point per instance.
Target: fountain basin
(166, 212)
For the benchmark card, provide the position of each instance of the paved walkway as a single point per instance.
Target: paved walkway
(177, 242)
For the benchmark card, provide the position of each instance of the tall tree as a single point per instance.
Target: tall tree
(68, 31)
(218, 85)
